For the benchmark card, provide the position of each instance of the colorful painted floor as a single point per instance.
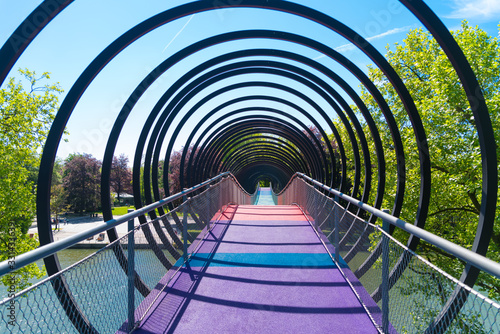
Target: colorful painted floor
(263, 269)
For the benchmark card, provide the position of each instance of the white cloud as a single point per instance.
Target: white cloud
(350, 47)
(389, 32)
(467, 9)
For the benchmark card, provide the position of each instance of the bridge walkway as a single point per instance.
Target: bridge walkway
(261, 269)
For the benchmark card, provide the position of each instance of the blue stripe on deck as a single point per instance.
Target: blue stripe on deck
(269, 260)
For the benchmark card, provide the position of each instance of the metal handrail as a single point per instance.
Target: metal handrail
(41, 252)
(474, 259)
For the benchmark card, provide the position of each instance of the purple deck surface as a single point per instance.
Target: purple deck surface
(264, 271)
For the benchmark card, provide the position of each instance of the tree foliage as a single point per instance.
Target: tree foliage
(82, 181)
(452, 137)
(335, 161)
(58, 203)
(174, 170)
(25, 118)
(121, 176)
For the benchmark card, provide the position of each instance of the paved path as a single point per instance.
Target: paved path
(263, 269)
(79, 225)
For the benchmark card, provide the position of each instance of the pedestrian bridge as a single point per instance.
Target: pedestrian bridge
(257, 100)
(305, 264)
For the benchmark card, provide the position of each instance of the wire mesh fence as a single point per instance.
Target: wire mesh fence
(416, 292)
(92, 295)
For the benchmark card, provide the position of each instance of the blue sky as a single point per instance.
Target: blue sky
(85, 28)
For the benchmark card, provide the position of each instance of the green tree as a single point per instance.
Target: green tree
(25, 118)
(82, 182)
(452, 137)
(58, 196)
(58, 202)
(121, 176)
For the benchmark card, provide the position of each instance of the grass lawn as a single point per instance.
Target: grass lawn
(121, 210)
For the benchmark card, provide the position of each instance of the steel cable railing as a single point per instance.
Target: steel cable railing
(102, 285)
(410, 303)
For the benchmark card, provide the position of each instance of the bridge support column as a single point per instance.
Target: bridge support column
(130, 274)
(185, 230)
(209, 193)
(336, 233)
(385, 276)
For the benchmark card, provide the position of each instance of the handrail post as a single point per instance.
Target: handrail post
(385, 276)
(184, 229)
(336, 233)
(130, 274)
(209, 193)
